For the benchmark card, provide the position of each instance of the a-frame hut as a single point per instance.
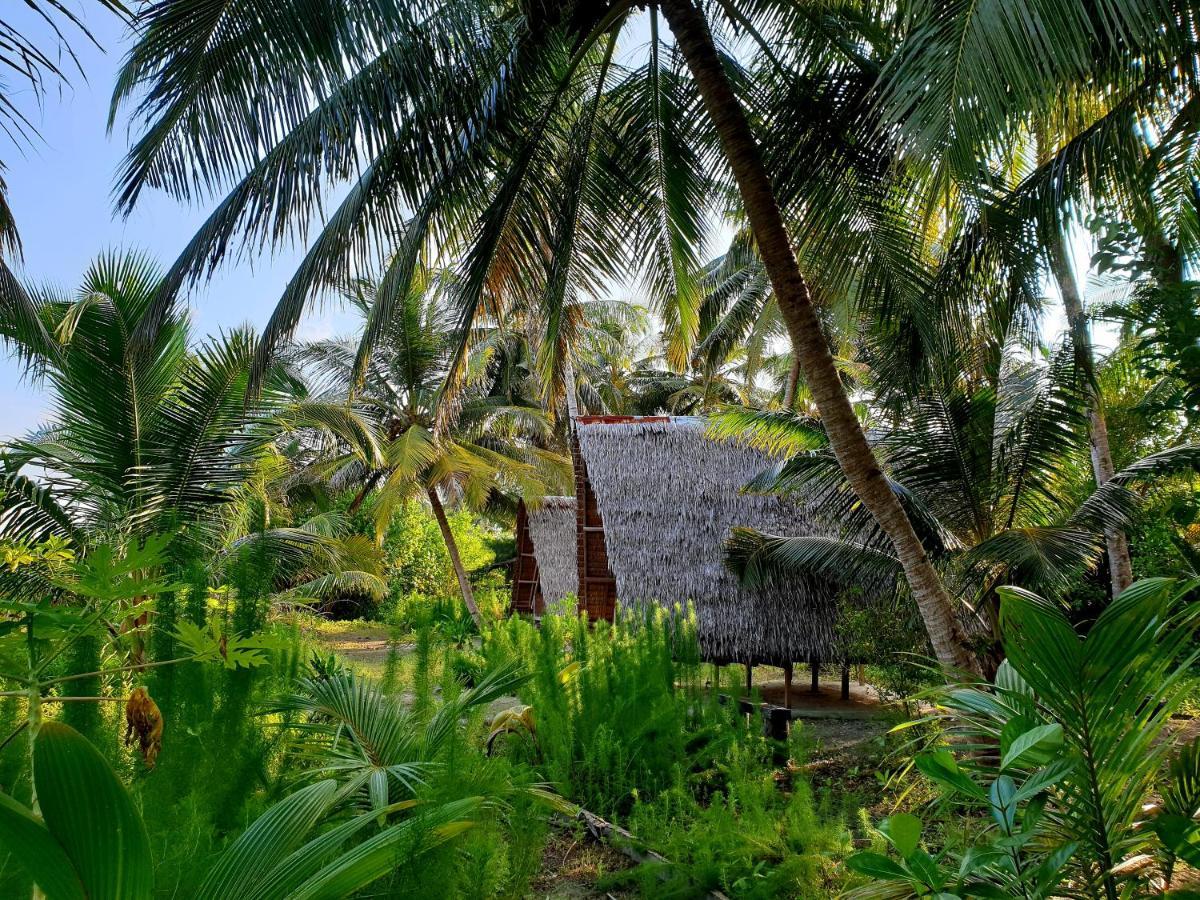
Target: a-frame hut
(656, 499)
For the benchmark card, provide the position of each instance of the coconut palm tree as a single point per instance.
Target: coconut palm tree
(1077, 117)
(996, 478)
(467, 440)
(143, 438)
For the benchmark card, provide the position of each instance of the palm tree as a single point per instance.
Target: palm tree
(468, 440)
(1082, 116)
(996, 478)
(368, 810)
(142, 437)
(513, 132)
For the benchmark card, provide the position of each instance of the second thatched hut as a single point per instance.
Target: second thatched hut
(545, 570)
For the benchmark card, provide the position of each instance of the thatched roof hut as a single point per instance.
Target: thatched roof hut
(545, 570)
(657, 499)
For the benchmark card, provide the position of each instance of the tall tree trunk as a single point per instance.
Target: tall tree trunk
(793, 383)
(1120, 566)
(464, 585)
(364, 491)
(846, 438)
(572, 399)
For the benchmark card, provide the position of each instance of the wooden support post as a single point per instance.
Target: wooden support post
(787, 685)
(749, 678)
(846, 681)
(815, 665)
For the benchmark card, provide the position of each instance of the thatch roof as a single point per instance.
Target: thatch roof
(552, 528)
(668, 496)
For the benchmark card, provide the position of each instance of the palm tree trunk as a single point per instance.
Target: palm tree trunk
(1120, 566)
(846, 438)
(572, 399)
(365, 490)
(464, 585)
(793, 383)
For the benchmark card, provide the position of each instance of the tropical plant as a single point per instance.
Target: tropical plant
(53, 601)
(145, 436)
(1062, 751)
(369, 815)
(616, 707)
(466, 442)
(84, 838)
(159, 437)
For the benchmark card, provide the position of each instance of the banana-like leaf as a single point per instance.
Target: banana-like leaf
(32, 846)
(88, 811)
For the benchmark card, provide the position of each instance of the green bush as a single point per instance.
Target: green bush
(617, 706)
(417, 564)
(751, 838)
(623, 724)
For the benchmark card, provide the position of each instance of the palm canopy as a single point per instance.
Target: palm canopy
(145, 436)
(473, 439)
(518, 140)
(537, 147)
(994, 476)
(139, 434)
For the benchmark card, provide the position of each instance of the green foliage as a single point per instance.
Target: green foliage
(618, 718)
(417, 563)
(887, 632)
(617, 706)
(221, 762)
(89, 841)
(736, 828)
(392, 788)
(1061, 752)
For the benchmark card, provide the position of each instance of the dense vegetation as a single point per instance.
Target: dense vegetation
(936, 258)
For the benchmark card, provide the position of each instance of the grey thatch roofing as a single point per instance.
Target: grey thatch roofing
(552, 530)
(669, 496)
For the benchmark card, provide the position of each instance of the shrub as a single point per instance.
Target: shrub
(617, 706)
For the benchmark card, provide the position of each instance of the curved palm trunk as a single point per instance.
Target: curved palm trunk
(464, 585)
(1120, 566)
(695, 42)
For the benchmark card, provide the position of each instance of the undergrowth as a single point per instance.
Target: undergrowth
(625, 725)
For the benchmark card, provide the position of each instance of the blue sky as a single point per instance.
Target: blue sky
(61, 194)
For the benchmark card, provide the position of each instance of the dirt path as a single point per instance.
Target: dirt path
(364, 646)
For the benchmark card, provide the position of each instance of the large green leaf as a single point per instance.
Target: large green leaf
(1033, 746)
(30, 844)
(383, 852)
(89, 812)
(272, 837)
(904, 831)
